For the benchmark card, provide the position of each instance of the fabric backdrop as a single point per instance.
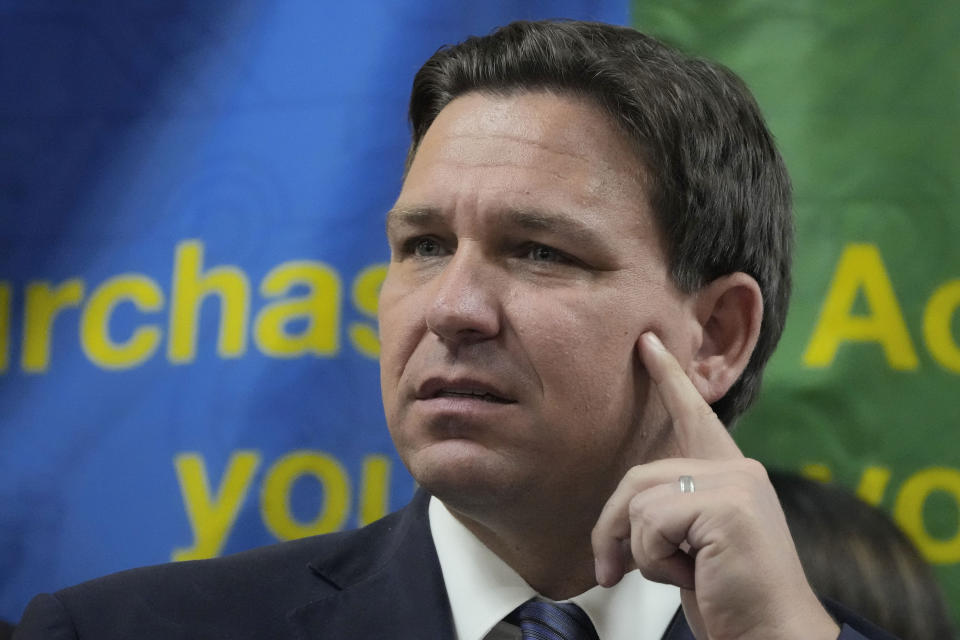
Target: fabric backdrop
(192, 199)
(864, 98)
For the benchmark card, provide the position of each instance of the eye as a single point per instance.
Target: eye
(423, 247)
(543, 253)
(426, 247)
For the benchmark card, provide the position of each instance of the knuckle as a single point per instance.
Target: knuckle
(755, 468)
(741, 498)
(637, 508)
(603, 531)
(643, 514)
(635, 477)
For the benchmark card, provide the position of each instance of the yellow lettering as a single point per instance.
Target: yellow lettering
(4, 326)
(861, 269)
(908, 512)
(873, 484)
(374, 489)
(212, 518)
(320, 308)
(275, 496)
(95, 322)
(937, 318)
(190, 287)
(817, 471)
(41, 308)
(366, 293)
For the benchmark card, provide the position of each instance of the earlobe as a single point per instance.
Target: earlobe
(729, 311)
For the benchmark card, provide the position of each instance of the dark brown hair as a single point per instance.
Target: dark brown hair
(718, 186)
(854, 553)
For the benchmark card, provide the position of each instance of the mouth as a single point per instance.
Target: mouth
(462, 389)
(474, 395)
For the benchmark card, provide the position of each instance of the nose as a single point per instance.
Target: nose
(465, 307)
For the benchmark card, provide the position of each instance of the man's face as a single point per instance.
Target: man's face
(525, 265)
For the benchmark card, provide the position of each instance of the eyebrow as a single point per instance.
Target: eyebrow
(531, 219)
(412, 216)
(541, 220)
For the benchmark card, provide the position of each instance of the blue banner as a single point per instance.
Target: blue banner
(192, 207)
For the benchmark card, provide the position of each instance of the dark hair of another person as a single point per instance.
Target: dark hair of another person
(718, 187)
(854, 553)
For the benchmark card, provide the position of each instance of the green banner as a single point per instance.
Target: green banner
(864, 99)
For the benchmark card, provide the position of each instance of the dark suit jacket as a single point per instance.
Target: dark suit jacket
(382, 581)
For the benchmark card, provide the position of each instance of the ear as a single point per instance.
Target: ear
(729, 311)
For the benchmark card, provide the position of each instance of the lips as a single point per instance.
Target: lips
(463, 388)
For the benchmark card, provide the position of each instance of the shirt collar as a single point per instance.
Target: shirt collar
(483, 589)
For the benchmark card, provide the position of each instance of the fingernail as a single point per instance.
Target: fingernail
(603, 572)
(598, 568)
(653, 340)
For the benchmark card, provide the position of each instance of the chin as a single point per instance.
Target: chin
(466, 476)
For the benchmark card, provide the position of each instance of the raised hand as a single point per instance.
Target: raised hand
(725, 543)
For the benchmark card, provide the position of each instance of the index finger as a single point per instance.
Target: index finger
(700, 434)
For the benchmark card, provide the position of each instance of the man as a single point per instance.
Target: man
(591, 247)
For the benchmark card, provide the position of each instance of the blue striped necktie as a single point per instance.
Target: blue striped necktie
(552, 621)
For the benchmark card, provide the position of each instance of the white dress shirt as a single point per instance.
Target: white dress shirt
(483, 590)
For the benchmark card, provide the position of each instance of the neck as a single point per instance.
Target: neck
(546, 539)
(555, 559)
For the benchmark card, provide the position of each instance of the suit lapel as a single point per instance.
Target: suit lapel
(678, 629)
(386, 583)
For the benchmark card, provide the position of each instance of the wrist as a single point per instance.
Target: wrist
(813, 624)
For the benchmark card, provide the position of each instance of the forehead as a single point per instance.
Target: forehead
(530, 150)
(562, 123)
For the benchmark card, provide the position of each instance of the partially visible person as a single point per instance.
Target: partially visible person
(854, 553)
(6, 630)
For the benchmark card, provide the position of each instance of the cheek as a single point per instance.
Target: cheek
(401, 326)
(585, 359)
